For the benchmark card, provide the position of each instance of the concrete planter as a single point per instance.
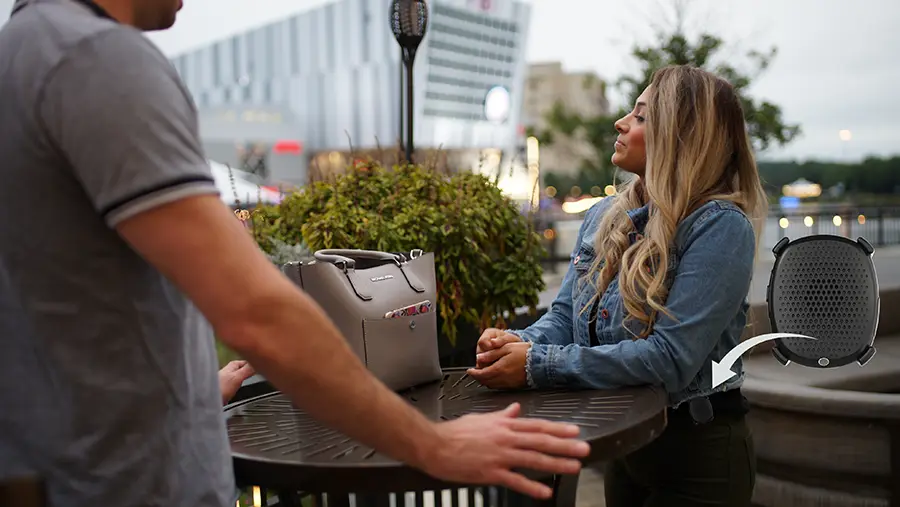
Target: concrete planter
(825, 447)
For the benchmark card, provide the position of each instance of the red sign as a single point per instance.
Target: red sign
(288, 147)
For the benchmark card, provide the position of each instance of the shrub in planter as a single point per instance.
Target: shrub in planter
(487, 255)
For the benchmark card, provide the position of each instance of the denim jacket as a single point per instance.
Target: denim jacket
(709, 272)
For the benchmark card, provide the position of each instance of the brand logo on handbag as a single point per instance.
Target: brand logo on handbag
(381, 278)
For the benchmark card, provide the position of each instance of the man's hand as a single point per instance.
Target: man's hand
(232, 376)
(491, 339)
(483, 448)
(506, 368)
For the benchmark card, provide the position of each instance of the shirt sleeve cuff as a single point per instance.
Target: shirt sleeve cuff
(164, 194)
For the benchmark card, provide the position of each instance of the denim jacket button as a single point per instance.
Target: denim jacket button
(577, 258)
(604, 314)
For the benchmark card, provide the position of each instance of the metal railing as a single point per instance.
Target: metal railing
(880, 226)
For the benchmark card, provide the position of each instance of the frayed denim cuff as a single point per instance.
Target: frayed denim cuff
(528, 377)
(539, 365)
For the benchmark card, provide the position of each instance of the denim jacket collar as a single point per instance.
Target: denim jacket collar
(639, 218)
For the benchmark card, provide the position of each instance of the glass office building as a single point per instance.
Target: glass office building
(336, 71)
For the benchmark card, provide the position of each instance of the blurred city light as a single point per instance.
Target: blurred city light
(802, 189)
(581, 205)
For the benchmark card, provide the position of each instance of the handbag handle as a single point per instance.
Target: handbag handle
(347, 258)
(346, 261)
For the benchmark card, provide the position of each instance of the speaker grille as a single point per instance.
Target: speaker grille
(825, 288)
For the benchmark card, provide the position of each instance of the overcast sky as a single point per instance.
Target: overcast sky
(838, 65)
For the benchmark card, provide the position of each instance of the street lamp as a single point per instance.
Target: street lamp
(533, 158)
(409, 22)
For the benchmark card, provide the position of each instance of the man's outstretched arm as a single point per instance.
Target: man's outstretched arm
(285, 335)
(117, 111)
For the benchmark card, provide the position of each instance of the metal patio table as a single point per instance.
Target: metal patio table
(281, 449)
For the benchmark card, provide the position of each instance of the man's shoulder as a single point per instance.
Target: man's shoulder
(68, 30)
(57, 25)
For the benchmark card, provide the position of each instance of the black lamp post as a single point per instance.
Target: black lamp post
(409, 22)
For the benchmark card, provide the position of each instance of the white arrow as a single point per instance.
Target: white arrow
(722, 371)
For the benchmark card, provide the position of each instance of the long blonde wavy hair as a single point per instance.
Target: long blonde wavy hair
(698, 150)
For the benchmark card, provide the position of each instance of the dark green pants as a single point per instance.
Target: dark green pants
(689, 465)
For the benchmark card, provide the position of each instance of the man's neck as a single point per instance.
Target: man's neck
(120, 11)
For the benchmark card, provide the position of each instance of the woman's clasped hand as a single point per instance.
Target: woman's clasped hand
(500, 360)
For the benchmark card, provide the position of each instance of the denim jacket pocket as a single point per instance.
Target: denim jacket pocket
(583, 263)
(584, 258)
(583, 291)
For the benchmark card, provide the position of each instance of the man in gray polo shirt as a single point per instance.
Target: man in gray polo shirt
(115, 253)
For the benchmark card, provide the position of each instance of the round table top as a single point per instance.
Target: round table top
(277, 445)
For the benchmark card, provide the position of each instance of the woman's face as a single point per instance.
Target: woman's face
(631, 154)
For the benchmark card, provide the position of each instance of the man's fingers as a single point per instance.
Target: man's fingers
(562, 430)
(522, 484)
(233, 366)
(549, 444)
(534, 460)
(245, 372)
(513, 410)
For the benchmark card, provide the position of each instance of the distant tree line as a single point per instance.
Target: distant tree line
(871, 176)
(877, 176)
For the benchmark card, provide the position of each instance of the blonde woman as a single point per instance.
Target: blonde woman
(656, 290)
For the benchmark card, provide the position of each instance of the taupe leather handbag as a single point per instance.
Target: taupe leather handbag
(384, 305)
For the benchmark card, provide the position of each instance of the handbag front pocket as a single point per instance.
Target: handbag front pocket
(402, 352)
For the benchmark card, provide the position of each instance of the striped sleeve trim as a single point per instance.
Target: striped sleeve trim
(157, 196)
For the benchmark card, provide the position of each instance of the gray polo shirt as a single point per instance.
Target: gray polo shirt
(108, 386)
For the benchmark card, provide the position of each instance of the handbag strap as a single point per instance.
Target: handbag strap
(347, 256)
(345, 260)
